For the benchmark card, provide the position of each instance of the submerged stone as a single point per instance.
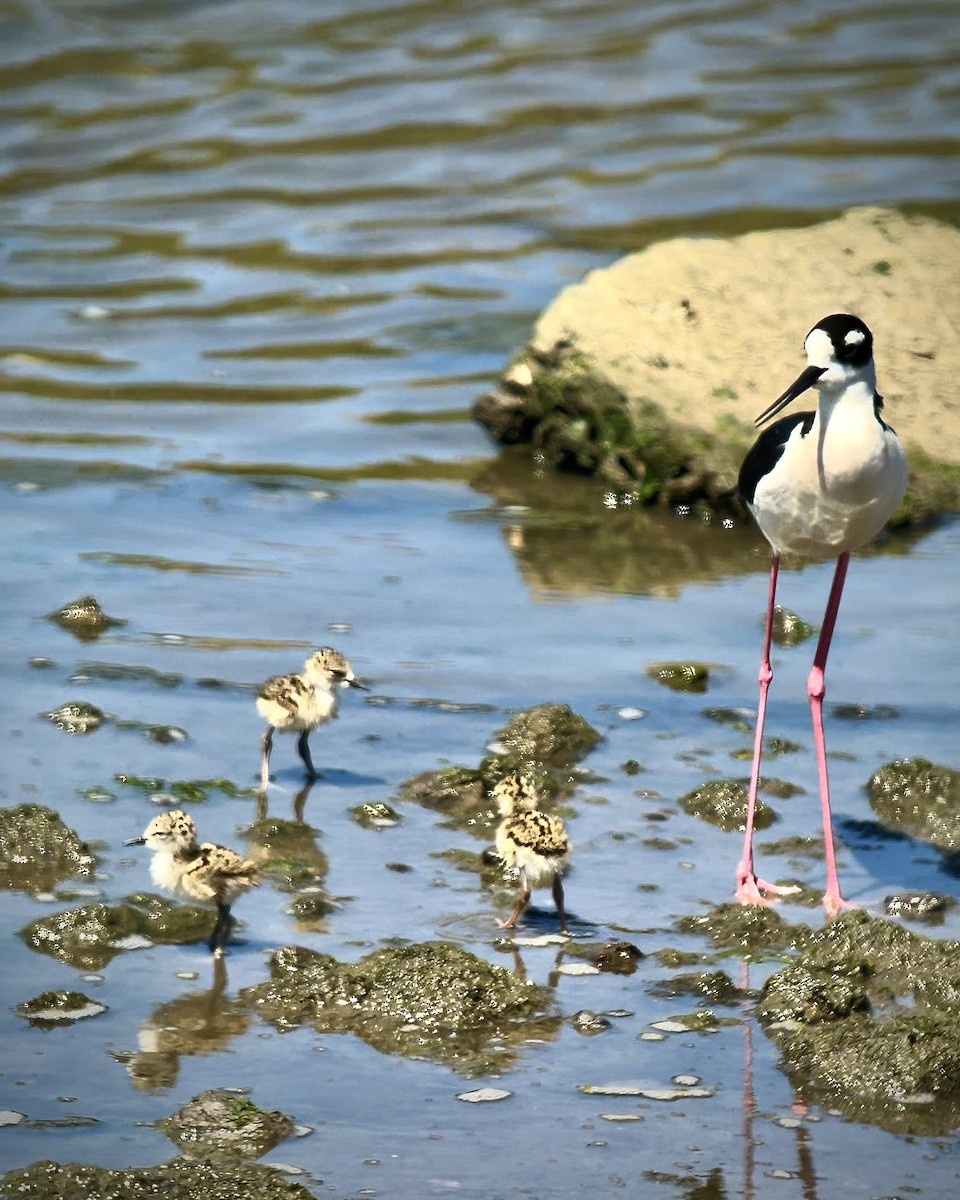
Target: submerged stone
(714, 986)
(38, 851)
(375, 814)
(617, 958)
(919, 798)
(429, 1000)
(221, 1123)
(723, 802)
(681, 676)
(790, 629)
(84, 618)
(76, 717)
(180, 1179)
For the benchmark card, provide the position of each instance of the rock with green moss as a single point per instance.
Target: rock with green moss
(789, 629)
(552, 735)
(646, 376)
(745, 925)
(797, 993)
(578, 421)
(219, 1124)
(901, 1072)
(691, 677)
(38, 851)
(84, 618)
(286, 852)
(615, 957)
(543, 742)
(838, 1019)
(90, 936)
(51, 1009)
(429, 1000)
(76, 717)
(375, 814)
(180, 1179)
(919, 906)
(723, 803)
(449, 790)
(919, 798)
(714, 986)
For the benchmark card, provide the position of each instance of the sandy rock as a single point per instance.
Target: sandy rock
(728, 316)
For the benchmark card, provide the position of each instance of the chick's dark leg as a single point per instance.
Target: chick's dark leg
(303, 750)
(558, 900)
(221, 930)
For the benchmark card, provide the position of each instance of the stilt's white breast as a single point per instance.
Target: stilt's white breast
(833, 489)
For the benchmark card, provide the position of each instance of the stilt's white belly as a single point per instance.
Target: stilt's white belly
(815, 504)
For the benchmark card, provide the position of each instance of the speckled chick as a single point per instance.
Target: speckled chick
(197, 870)
(533, 843)
(302, 702)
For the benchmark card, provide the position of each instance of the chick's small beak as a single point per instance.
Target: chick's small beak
(355, 683)
(140, 841)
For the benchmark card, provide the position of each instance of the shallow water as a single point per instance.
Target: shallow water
(253, 273)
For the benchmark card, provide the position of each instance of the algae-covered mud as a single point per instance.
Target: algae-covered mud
(253, 275)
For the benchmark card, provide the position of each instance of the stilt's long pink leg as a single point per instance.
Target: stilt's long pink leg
(750, 889)
(833, 902)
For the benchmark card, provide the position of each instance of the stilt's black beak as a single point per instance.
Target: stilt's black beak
(140, 841)
(806, 379)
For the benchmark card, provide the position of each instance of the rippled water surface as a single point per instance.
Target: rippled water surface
(256, 262)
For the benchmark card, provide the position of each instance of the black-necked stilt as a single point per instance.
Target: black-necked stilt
(197, 870)
(819, 484)
(533, 843)
(300, 703)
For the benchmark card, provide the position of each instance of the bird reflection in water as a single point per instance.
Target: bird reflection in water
(196, 1025)
(805, 1172)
